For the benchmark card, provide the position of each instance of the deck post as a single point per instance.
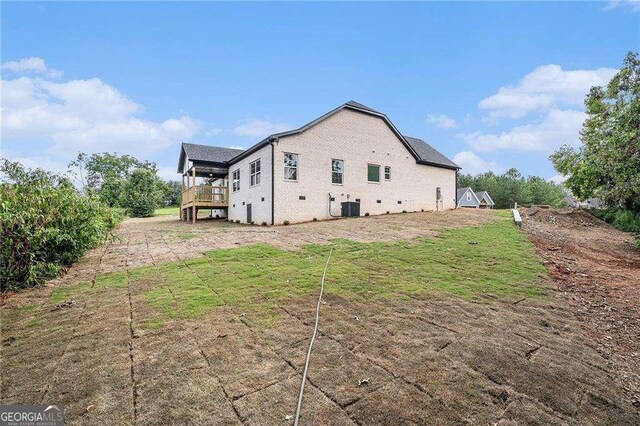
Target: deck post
(195, 214)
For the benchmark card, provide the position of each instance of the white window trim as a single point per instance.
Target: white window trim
(234, 180)
(342, 173)
(297, 167)
(373, 181)
(253, 175)
(385, 173)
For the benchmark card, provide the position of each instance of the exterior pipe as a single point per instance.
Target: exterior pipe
(273, 181)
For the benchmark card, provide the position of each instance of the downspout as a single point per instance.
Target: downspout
(273, 181)
(455, 193)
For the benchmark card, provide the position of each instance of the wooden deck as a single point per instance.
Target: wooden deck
(202, 197)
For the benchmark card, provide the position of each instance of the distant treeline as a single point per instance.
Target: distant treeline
(511, 187)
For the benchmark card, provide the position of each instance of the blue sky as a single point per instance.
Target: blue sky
(492, 85)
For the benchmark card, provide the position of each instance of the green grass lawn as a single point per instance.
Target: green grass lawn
(496, 259)
(167, 211)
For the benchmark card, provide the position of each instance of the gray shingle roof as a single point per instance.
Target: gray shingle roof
(361, 106)
(461, 192)
(208, 153)
(429, 154)
(485, 194)
(215, 154)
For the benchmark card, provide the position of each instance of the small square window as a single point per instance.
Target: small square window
(373, 173)
(387, 172)
(302, 197)
(399, 202)
(378, 201)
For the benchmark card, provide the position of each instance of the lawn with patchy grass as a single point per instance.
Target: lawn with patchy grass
(495, 259)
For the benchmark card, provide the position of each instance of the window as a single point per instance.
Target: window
(254, 170)
(290, 166)
(236, 180)
(468, 196)
(438, 194)
(337, 170)
(387, 173)
(373, 173)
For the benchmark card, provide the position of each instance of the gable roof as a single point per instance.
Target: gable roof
(207, 153)
(429, 155)
(420, 150)
(461, 191)
(485, 195)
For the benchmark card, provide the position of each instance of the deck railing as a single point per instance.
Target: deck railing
(206, 195)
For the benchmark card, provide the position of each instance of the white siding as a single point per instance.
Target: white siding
(358, 139)
(259, 196)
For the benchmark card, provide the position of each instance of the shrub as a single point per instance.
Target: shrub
(286, 222)
(45, 225)
(264, 223)
(237, 221)
(140, 194)
(388, 212)
(366, 214)
(315, 219)
(404, 211)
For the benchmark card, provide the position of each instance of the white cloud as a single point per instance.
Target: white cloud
(557, 128)
(632, 5)
(259, 128)
(472, 164)
(83, 115)
(214, 131)
(442, 121)
(236, 147)
(547, 86)
(31, 65)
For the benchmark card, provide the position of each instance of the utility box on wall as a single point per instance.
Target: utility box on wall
(350, 209)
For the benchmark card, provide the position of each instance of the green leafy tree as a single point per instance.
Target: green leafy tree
(105, 174)
(607, 165)
(171, 192)
(141, 193)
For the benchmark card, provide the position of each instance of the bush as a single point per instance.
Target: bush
(286, 222)
(404, 211)
(264, 223)
(366, 214)
(315, 219)
(45, 225)
(140, 194)
(624, 220)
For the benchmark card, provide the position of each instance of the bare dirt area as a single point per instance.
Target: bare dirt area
(598, 271)
(88, 340)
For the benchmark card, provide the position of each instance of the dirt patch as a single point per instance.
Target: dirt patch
(95, 343)
(598, 272)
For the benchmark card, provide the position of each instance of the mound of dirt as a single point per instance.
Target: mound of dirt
(565, 218)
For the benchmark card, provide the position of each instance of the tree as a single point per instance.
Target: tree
(140, 193)
(171, 192)
(105, 174)
(511, 187)
(607, 165)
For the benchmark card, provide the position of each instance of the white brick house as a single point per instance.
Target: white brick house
(352, 153)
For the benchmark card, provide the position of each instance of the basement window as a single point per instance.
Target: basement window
(373, 173)
(254, 169)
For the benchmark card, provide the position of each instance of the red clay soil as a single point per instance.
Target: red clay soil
(598, 270)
